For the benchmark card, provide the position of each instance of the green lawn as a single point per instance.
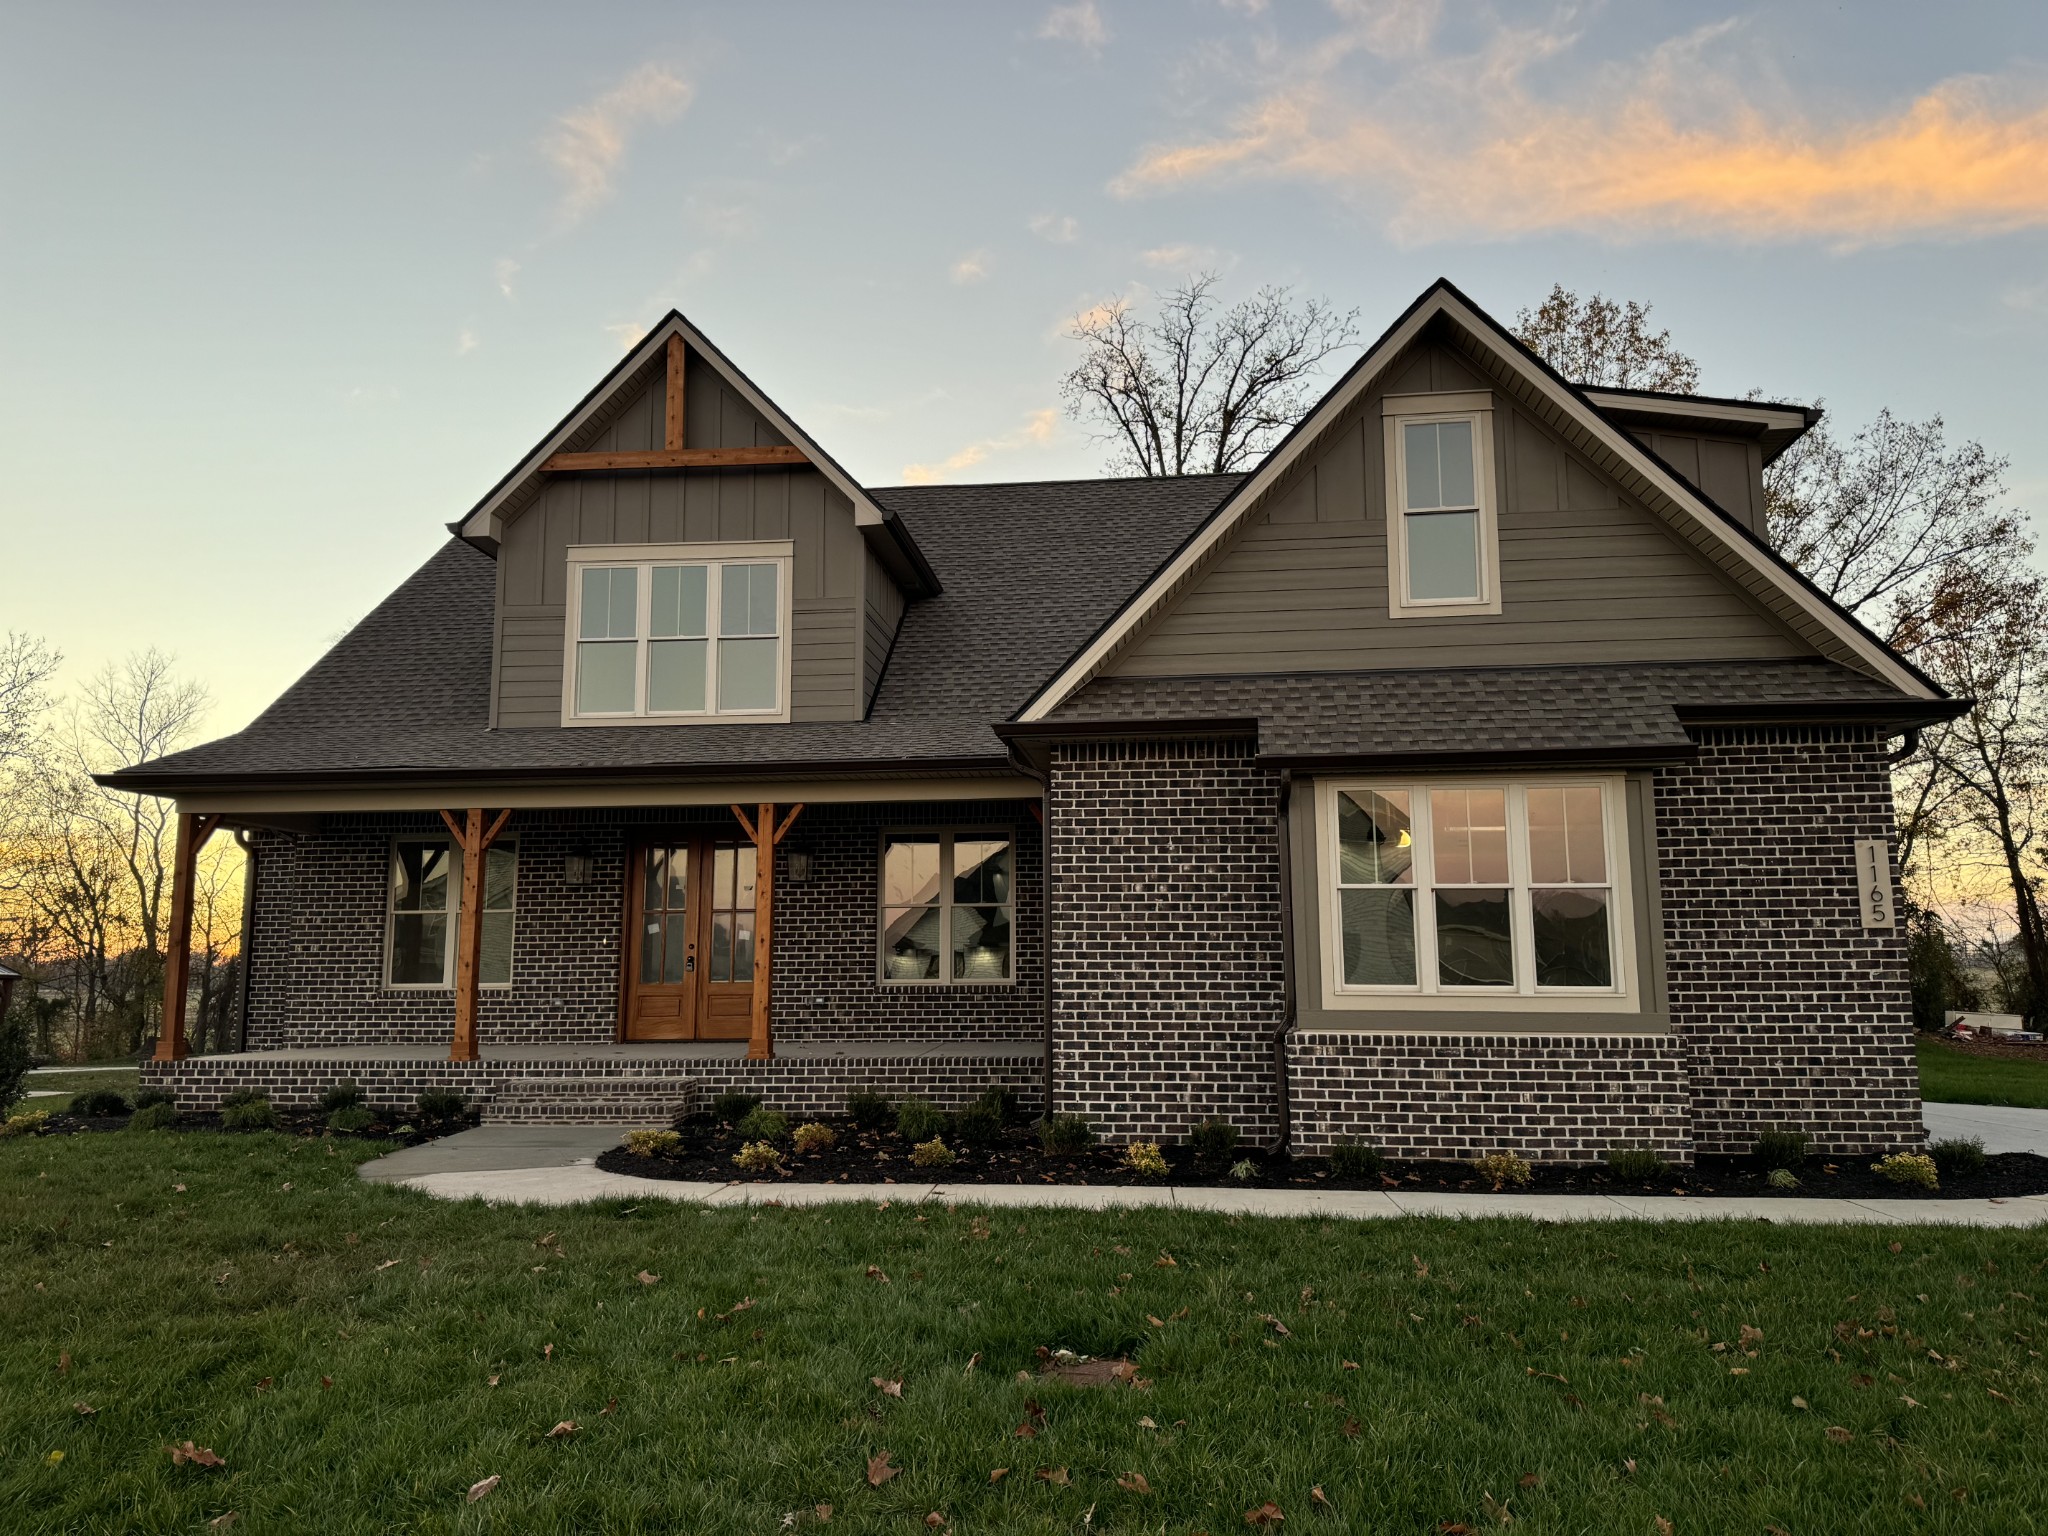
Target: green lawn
(1950, 1076)
(58, 1079)
(337, 1343)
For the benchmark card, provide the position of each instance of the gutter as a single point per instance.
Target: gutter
(1288, 1001)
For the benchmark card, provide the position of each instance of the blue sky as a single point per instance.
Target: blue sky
(286, 289)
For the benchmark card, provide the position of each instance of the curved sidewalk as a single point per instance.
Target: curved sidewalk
(556, 1165)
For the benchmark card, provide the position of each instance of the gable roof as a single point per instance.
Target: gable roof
(1566, 408)
(483, 524)
(1775, 426)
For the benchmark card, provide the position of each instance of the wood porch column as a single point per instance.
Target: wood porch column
(193, 831)
(765, 835)
(475, 840)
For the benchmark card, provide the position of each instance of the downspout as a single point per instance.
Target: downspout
(1284, 843)
(1907, 747)
(248, 937)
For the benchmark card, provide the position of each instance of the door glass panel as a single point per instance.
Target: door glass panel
(675, 947)
(665, 925)
(732, 912)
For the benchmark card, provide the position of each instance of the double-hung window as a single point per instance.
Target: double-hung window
(675, 633)
(1442, 538)
(1477, 893)
(948, 899)
(424, 906)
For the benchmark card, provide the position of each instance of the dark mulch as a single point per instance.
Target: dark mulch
(290, 1122)
(883, 1157)
(1993, 1048)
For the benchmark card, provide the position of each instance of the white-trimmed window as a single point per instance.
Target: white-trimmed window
(424, 903)
(948, 905)
(1443, 540)
(1477, 893)
(676, 633)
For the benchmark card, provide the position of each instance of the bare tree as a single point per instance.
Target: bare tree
(1198, 392)
(1598, 341)
(26, 666)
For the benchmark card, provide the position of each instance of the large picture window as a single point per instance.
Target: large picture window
(676, 633)
(1477, 891)
(1441, 538)
(948, 900)
(424, 906)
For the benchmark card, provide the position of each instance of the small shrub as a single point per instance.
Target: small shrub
(160, 1116)
(27, 1123)
(1915, 1169)
(1355, 1160)
(1061, 1134)
(15, 1060)
(1959, 1158)
(732, 1106)
(98, 1104)
(763, 1125)
(351, 1117)
(1781, 1146)
(758, 1157)
(815, 1137)
(980, 1124)
(432, 1108)
(653, 1143)
(1145, 1158)
(1244, 1170)
(152, 1096)
(1001, 1100)
(1500, 1169)
(1213, 1140)
(919, 1120)
(868, 1110)
(343, 1095)
(1638, 1165)
(1782, 1178)
(932, 1154)
(246, 1110)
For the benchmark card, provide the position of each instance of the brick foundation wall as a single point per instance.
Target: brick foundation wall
(1167, 976)
(794, 1085)
(317, 956)
(1550, 1098)
(1791, 1012)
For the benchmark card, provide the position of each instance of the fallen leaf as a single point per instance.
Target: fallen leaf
(645, 1278)
(1267, 1513)
(875, 1273)
(1351, 1429)
(1776, 1530)
(1057, 1476)
(1800, 1403)
(997, 1475)
(1628, 1465)
(221, 1522)
(1909, 1402)
(879, 1470)
(1027, 1431)
(198, 1455)
(494, 1381)
(1277, 1326)
(326, 1382)
(547, 1351)
(84, 1410)
(972, 1361)
(1862, 1380)
(55, 1458)
(823, 1512)
(1663, 1526)
(1529, 1480)
(563, 1430)
(935, 1519)
(1155, 1322)
(64, 1363)
(1455, 1528)
(1317, 1496)
(287, 1186)
(1134, 1482)
(1496, 1512)
(2000, 1396)
(1350, 1365)
(611, 1406)
(1146, 1423)
(1546, 1375)
(484, 1488)
(891, 1388)
(1164, 1261)
(1894, 1247)
(263, 1385)
(1839, 1435)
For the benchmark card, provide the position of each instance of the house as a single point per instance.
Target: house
(1473, 775)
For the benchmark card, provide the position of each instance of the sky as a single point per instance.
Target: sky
(285, 289)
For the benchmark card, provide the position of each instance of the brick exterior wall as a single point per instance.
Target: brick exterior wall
(1791, 1012)
(317, 953)
(1167, 976)
(794, 1085)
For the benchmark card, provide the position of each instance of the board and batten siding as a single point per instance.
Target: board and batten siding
(1585, 575)
(1729, 470)
(829, 580)
(884, 612)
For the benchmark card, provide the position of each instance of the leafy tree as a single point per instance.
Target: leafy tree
(1597, 341)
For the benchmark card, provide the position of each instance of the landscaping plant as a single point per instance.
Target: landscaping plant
(1782, 1178)
(758, 1157)
(868, 1110)
(815, 1137)
(763, 1125)
(980, 1124)
(1145, 1158)
(27, 1123)
(98, 1104)
(1066, 1134)
(1213, 1140)
(246, 1109)
(1914, 1168)
(1781, 1146)
(653, 1143)
(158, 1116)
(15, 1061)
(1243, 1170)
(1500, 1169)
(351, 1117)
(919, 1119)
(343, 1095)
(932, 1154)
(1958, 1157)
(152, 1096)
(1355, 1160)
(434, 1108)
(733, 1106)
(1638, 1165)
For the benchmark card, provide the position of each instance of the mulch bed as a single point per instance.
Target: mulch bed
(883, 1157)
(307, 1123)
(1995, 1049)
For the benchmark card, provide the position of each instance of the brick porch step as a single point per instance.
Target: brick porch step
(650, 1101)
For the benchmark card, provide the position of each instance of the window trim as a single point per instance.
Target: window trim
(947, 835)
(643, 558)
(453, 942)
(1623, 997)
(1476, 407)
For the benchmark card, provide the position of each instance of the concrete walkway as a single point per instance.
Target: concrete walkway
(556, 1165)
(2000, 1128)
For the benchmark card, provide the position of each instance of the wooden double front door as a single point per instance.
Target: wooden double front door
(690, 941)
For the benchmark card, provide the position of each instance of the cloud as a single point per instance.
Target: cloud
(466, 342)
(627, 334)
(1039, 429)
(1666, 146)
(1392, 29)
(588, 144)
(505, 270)
(971, 268)
(1079, 23)
(1183, 258)
(1062, 229)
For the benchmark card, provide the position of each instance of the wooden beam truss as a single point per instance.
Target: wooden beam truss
(765, 834)
(193, 833)
(474, 837)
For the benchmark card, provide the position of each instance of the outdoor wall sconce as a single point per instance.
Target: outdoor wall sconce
(578, 867)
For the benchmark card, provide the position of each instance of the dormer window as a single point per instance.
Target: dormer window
(677, 633)
(1442, 542)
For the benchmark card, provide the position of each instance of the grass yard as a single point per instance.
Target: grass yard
(1949, 1075)
(122, 1080)
(359, 1357)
